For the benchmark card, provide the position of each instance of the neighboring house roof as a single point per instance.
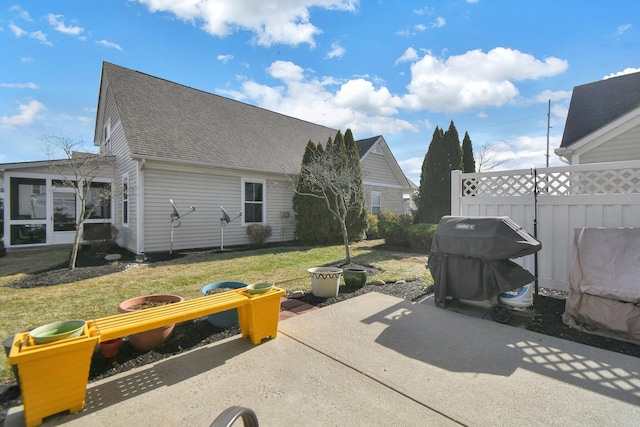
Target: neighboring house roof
(364, 145)
(168, 121)
(597, 104)
(378, 145)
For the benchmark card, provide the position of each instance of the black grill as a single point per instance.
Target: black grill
(471, 257)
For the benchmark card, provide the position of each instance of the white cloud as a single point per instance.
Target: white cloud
(439, 22)
(17, 31)
(474, 79)
(59, 25)
(271, 22)
(362, 96)
(41, 37)
(558, 95)
(420, 27)
(286, 71)
(224, 58)
(27, 115)
(409, 55)
(354, 104)
(26, 59)
(337, 51)
(423, 11)
(622, 73)
(109, 44)
(22, 14)
(622, 28)
(29, 85)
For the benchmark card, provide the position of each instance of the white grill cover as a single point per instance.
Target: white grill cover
(604, 295)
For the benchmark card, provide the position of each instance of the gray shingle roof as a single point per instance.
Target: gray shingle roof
(594, 105)
(364, 145)
(162, 119)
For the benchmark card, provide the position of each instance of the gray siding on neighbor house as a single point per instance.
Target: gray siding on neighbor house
(376, 170)
(207, 189)
(625, 146)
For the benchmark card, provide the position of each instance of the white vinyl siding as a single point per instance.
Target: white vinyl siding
(207, 190)
(376, 169)
(625, 146)
(124, 167)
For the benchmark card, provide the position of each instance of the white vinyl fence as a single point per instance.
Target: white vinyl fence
(550, 204)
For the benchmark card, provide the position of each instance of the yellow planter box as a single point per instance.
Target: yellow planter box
(54, 376)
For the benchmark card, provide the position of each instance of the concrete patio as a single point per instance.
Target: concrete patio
(375, 360)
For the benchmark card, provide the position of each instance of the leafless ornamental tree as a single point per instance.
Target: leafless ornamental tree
(78, 170)
(331, 176)
(490, 157)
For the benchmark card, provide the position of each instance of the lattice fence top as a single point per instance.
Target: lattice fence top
(552, 183)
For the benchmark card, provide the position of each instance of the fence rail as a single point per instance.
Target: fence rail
(551, 203)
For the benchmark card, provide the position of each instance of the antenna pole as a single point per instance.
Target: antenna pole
(548, 127)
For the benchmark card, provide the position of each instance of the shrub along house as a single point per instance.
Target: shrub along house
(173, 142)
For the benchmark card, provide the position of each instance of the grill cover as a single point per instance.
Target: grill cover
(470, 257)
(485, 238)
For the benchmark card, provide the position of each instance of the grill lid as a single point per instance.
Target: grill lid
(484, 238)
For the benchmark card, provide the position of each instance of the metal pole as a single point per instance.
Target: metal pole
(222, 234)
(548, 127)
(535, 225)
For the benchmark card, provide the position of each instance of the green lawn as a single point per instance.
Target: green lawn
(24, 309)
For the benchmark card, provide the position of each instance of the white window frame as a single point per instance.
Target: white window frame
(379, 204)
(264, 199)
(106, 135)
(125, 200)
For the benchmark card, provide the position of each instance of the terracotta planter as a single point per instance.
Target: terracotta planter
(325, 281)
(110, 348)
(355, 277)
(154, 338)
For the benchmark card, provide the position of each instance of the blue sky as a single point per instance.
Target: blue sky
(395, 68)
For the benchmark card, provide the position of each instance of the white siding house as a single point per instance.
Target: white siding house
(603, 122)
(173, 142)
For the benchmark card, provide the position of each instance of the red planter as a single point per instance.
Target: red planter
(110, 348)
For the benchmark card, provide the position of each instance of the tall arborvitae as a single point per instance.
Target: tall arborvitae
(430, 177)
(357, 216)
(468, 162)
(454, 152)
(308, 210)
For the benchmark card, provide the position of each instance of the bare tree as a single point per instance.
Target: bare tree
(78, 170)
(490, 156)
(332, 176)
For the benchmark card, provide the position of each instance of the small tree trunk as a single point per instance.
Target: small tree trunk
(74, 251)
(345, 238)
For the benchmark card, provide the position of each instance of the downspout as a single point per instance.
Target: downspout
(140, 208)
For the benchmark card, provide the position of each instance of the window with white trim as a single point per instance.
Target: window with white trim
(106, 136)
(375, 202)
(253, 201)
(125, 200)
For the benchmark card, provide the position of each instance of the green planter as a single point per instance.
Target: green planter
(354, 277)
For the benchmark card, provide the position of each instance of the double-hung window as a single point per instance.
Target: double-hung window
(253, 201)
(375, 202)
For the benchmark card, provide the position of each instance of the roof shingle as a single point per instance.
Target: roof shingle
(596, 104)
(162, 119)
